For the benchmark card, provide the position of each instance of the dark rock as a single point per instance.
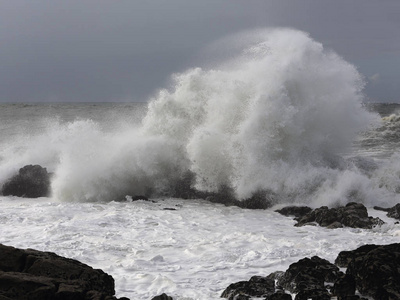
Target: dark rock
(259, 200)
(31, 274)
(280, 295)
(32, 181)
(313, 293)
(377, 272)
(308, 276)
(345, 257)
(353, 215)
(392, 212)
(344, 287)
(381, 208)
(139, 197)
(257, 286)
(163, 296)
(296, 211)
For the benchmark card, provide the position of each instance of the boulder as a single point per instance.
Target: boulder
(307, 277)
(376, 270)
(295, 211)
(163, 296)
(393, 212)
(32, 181)
(35, 275)
(257, 286)
(353, 215)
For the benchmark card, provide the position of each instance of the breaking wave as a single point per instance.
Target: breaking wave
(278, 116)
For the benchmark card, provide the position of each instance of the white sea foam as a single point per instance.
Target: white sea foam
(193, 252)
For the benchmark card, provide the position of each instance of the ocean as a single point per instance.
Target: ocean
(285, 117)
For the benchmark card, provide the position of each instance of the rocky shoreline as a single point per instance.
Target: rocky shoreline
(371, 271)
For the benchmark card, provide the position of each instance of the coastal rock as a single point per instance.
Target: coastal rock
(372, 270)
(163, 296)
(32, 181)
(307, 277)
(257, 286)
(35, 275)
(344, 287)
(376, 270)
(353, 215)
(345, 257)
(279, 295)
(393, 212)
(295, 211)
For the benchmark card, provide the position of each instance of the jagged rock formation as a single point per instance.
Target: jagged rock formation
(32, 181)
(35, 275)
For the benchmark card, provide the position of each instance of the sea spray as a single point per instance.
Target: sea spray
(275, 117)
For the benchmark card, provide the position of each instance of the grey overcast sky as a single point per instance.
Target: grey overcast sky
(125, 50)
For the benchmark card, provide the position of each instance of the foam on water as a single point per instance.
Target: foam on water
(149, 250)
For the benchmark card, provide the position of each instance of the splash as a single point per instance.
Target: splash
(274, 118)
(277, 116)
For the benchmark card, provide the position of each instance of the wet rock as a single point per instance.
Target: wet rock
(163, 296)
(31, 274)
(353, 215)
(377, 271)
(257, 286)
(280, 295)
(309, 274)
(32, 181)
(393, 212)
(344, 287)
(345, 257)
(295, 211)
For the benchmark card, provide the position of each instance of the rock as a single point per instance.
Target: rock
(280, 295)
(163, 296)
(393, 212)
(353, 215)
(344, 287)
(345, 257)
(32, 181)
(257, 286)
(377, 271)
(307, 278)
(296, 211)
(31, 274)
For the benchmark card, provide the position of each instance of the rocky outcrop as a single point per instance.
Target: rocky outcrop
(32, 181)
(353, 215)
(308, 276)
(35, 275)
(163, 296)
(393, 212)
(257, 286)
(372, 270)
(375, 270)
(294, 211)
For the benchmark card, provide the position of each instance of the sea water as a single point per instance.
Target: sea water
(281, 115)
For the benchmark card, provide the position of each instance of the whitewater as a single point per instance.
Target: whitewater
(281, 115)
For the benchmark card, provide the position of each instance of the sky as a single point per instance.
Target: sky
(126, 50)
